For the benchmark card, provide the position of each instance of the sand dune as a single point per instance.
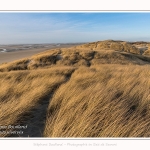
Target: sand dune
(98, 89)
(14, 52)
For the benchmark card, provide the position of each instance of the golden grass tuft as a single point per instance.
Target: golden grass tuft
(147, 51)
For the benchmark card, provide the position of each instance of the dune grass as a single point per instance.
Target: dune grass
(117, 53)
(99, 89)
(147, 51)
(22, 91)
(102, 101)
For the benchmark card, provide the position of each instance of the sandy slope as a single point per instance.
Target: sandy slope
(14, 55)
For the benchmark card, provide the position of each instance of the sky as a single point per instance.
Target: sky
(67, 27)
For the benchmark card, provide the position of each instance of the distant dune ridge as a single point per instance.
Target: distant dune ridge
(98, 89)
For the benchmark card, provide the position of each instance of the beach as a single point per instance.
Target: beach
(10, 53)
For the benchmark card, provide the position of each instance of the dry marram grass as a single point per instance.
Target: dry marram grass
(106, 101)
(99, 89)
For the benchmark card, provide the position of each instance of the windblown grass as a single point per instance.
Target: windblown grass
(99, 89)
(22, 91)
(102, 101)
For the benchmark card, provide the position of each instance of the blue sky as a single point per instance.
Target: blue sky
(49, 27)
